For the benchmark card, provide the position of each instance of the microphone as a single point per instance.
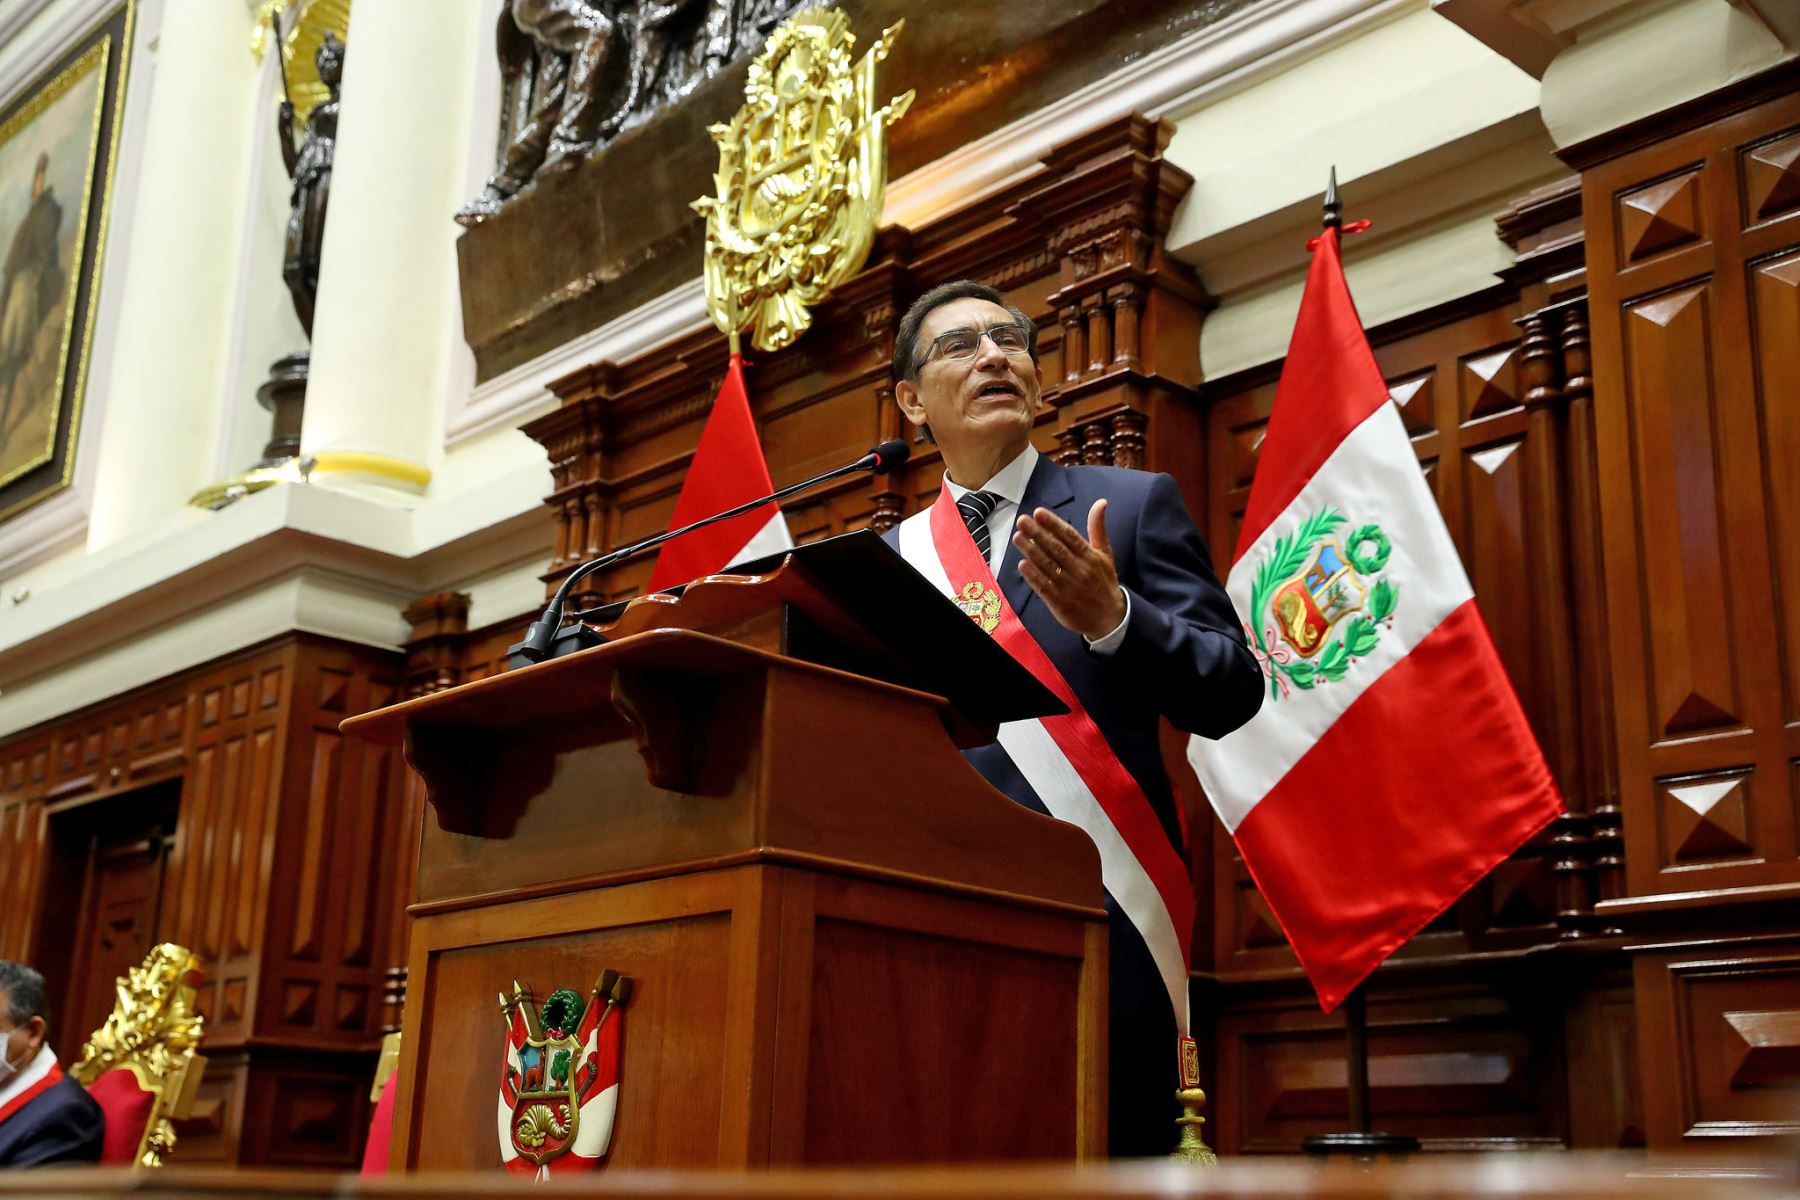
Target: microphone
(541, 636)
(885, 457)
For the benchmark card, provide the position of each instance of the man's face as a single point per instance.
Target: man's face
(988, 399)
(18, 1042)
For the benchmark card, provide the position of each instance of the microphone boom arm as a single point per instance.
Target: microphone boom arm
(542, 634)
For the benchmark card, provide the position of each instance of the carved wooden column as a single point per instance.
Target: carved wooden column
(880, 318)
(1599, 777)
(573, 439)
(434, 663)
(434, 647)
(1105, 212)
(1128, 439)
(1570, 835)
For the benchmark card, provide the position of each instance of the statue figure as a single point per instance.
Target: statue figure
(309, 165)
(581, 71)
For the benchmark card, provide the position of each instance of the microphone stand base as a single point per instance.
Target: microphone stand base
(569, 639)
(1361, 1145)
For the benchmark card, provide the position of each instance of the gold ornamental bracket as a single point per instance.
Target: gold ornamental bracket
(801, 180)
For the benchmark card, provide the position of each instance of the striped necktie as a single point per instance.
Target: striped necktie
(975, 508)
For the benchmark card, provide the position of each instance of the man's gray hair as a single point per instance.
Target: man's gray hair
(906, 338)
(24, 992)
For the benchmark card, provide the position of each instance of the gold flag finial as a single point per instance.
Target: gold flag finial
(802, 174)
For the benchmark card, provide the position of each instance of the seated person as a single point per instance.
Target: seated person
(45, 1117)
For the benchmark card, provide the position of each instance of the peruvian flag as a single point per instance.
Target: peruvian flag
(728, 470)
(1391, 766)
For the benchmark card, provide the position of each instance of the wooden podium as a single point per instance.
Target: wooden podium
(846, 947)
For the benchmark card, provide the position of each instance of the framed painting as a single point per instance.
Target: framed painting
(58, 144)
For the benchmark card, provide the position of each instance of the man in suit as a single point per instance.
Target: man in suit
(1131, 615)
(45, 1116)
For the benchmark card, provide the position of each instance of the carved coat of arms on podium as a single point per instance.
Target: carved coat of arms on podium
(559, 1082)
(802, 174)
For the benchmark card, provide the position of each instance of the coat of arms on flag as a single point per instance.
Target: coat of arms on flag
(1306, 586)
(559, 1083)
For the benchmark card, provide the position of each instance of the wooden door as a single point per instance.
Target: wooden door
(122, 845)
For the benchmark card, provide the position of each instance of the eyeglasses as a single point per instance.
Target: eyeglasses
(962, 344)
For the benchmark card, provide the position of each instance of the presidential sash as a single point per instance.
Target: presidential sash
(1068, 763)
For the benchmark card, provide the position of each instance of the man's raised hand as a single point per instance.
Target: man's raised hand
(1073, 575)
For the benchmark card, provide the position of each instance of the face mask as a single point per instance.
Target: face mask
(8, 1068)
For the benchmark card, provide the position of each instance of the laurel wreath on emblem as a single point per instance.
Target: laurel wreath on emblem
(1303, 598)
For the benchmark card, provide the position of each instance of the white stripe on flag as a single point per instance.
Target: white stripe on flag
(772, 538)
(1048, 770)
(1371, 478)
(507, 1153)
(593, 1135)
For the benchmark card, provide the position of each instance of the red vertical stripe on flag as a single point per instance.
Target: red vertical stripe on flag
(1329, 385)
(728, 470)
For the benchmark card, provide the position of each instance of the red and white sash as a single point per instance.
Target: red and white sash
(49, 1079)
(1068, 764)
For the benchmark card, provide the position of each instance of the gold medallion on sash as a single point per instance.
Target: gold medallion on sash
(982, 603)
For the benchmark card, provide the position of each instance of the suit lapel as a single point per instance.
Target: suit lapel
(1048, 487)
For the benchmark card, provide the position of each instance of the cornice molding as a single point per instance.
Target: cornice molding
(380, 559)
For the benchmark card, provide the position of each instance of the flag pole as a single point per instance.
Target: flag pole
(1359, 1142)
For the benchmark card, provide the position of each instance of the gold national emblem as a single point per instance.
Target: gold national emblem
(982, 603)
(802, 173)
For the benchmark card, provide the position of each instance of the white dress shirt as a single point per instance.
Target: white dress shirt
(1009, 484)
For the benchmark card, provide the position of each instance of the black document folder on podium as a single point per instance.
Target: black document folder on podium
(915, 637)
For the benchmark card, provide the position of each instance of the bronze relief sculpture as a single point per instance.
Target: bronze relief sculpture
(576, 73)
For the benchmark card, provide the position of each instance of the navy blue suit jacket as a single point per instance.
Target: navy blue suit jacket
(1184, 655)
(61, 1124)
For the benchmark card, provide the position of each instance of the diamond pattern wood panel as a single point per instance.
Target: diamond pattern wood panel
(1490, 383)
(1659, 216)
(1416, 399)
(1707, 817)
(1775, 295)
(1685, 598)
(1772, 177)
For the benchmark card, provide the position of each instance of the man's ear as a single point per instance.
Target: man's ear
(906, 395)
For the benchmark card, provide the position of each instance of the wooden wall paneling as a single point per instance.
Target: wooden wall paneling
(21, 842)
(336, 889)
(231, 746)
(227, 843)
(1606, 1094)
(214, 1130)
(1685, 269)
(1721, 1041)
(1775, 336)
(1462, 1065)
